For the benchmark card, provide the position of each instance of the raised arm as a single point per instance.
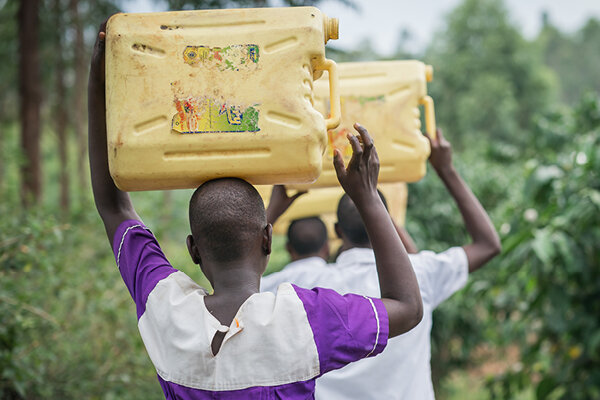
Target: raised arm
(280, 202)
(114, 206)
(407, 240)
(397, 281)
(485, 241)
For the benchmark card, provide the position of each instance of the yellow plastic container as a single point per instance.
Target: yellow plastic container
(197, 95)
(384, 97)
(323, 202)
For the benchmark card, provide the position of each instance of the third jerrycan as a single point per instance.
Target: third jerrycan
(197, 95)
(323, 202)
(384, 97)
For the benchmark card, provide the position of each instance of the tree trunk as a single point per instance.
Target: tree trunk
(2, 155)
(79, 107)
(60, 114)
(30, 98)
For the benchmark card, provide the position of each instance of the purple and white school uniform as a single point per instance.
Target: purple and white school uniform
(275, 348)
(403, 371)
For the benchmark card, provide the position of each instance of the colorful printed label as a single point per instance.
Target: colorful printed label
(233, 57)
(204, 115)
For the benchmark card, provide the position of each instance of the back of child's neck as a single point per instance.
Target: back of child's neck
(235, 280)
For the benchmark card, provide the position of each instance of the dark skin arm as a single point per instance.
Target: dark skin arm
(485, 241)
(279, 203)
(407, 240)
(397, 281)
(114, 205)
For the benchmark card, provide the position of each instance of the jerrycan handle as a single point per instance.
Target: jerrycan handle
(427, 103)
(334, 93)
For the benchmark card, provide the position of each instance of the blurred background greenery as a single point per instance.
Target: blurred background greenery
(523, 116)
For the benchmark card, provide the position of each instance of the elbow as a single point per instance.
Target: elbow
(489, 247)
(419, 312)
(495, 246)
(416, 314)
(497, 249)
(404, 315)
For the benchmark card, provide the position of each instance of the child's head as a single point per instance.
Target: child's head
(307, 237)
(229, 224)
(350, 227)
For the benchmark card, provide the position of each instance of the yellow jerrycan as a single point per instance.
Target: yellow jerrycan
(197, 95)
(384, 97)
(323, 202)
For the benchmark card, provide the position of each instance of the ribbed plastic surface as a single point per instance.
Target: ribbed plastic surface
(384, 97)
(196, 95)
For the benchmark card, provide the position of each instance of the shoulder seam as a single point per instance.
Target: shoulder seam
(123, 239)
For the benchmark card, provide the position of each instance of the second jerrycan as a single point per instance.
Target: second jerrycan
(197, 95)
(384, 97)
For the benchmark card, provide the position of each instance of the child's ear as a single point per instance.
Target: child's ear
(338, 230)
(324, 251)
(193, 250)
(267, 238)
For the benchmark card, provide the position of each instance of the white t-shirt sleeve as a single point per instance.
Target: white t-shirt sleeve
(443, 274)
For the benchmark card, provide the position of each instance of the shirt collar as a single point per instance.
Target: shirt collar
(313, 261)
(356, 256)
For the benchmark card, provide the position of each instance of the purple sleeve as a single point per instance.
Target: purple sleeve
(346, 328)
(140, 260)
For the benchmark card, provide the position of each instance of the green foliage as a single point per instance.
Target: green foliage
(8, 51)
(553, 258)
(541, 294)
(488, 84)
(68, 328)
(573, 57)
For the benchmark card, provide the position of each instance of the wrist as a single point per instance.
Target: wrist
(445, 170)
(365, 199)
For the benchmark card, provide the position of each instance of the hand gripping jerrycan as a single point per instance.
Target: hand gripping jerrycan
(384, 97)
(197, 95)
(323, 202)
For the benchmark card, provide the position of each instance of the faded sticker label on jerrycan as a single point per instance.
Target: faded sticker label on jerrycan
(205, 114)
(197, 95)
(232, 57)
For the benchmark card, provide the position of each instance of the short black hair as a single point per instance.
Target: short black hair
(351, 223)
(225, 214)
(307, 235)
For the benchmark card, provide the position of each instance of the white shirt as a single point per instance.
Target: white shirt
(307, 270)
(403, 370)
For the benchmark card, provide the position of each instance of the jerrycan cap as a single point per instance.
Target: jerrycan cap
(331, 28)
